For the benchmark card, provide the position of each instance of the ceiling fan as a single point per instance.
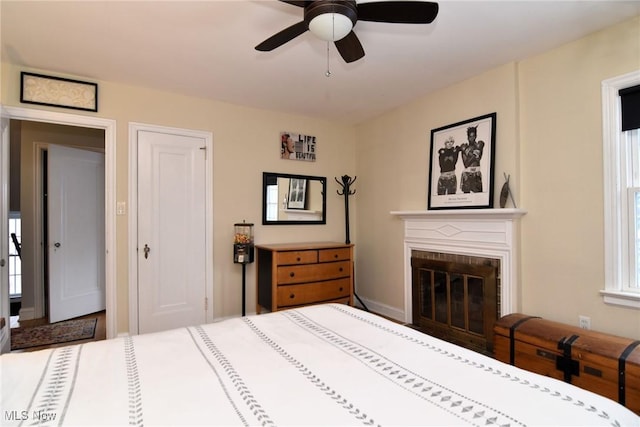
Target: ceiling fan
(333, 21)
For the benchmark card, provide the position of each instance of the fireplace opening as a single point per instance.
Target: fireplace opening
(456, 298)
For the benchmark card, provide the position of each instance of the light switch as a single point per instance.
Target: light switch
(121, 208)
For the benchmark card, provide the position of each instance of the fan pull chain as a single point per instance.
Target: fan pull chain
(328, 72)
(333, 23)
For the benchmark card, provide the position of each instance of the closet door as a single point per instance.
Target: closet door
(171, 231)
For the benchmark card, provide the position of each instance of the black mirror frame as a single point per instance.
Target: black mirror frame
(323, 181)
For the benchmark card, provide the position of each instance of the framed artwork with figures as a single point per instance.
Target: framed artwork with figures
(461, 164)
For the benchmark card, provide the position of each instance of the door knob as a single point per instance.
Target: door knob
(2, 261)
(56, 244)
(146, 250)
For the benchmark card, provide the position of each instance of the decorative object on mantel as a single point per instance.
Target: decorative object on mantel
(461, 164)
(58, 92)
(243, 253)
(346, 184)
(295, 146)
(506, 193)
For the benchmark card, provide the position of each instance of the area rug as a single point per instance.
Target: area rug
(55, 333)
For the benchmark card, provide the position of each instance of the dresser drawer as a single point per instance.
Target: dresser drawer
(336, 254)
(291, 295)
(313, 272)
(297, 257)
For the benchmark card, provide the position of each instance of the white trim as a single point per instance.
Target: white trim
(615, 211)
(38, 278)
(624, 299)
(5, 311)
(134, 128)
(383, 309)
(109, 127)
(27, 313)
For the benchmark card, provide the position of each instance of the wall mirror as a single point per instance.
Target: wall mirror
(293, 199)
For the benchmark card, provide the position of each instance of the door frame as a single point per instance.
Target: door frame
(134, 128)
(109, 127)
(5, 311)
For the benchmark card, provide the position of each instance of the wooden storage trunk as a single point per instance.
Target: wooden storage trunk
(604, 364)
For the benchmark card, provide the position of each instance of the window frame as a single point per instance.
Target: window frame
(618, 262)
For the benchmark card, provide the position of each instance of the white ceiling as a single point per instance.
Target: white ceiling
(206, 48)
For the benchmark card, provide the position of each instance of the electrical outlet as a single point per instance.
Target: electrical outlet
(584, 322)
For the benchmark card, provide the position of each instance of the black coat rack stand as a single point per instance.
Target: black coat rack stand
(346, 183)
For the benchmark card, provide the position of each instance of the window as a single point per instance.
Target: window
(621, 155)
(15, 265)
(272, 202)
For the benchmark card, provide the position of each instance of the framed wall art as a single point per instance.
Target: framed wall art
(297, 193)
(58, 92)
(294, 146)
(461, 164)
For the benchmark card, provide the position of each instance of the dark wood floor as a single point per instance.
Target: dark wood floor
(101, 331)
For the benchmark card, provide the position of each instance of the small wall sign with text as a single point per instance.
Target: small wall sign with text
(295, 146)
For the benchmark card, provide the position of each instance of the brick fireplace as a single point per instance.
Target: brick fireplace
(441, 245)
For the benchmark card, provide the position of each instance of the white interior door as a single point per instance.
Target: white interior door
(76, 244)
(171, 231)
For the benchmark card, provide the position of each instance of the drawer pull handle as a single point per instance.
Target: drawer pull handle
(292, 274)
(335, 256)
(292, 296)
(298, 259)
(340, 288)
(340, 269)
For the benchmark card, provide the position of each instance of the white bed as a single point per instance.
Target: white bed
(324, 365)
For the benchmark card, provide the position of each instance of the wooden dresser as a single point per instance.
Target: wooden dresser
(296, 274)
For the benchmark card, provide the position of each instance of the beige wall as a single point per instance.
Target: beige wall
(562, 178)
(549, 139)
(246, 142)
(393, 164)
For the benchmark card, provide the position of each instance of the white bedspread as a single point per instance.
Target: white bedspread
(324, 365)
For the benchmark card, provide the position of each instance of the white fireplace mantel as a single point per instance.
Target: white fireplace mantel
(490, 233)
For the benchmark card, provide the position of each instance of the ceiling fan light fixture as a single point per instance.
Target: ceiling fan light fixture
(330, 26)
(331, 20)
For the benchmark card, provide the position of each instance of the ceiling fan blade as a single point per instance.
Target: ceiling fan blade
(350, 47)
(399, 12)
(283, 37)
(299, 3)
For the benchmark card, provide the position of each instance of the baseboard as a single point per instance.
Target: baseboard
(27, 313)
(383, 309)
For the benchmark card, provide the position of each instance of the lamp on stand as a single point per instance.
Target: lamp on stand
(243, 253)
